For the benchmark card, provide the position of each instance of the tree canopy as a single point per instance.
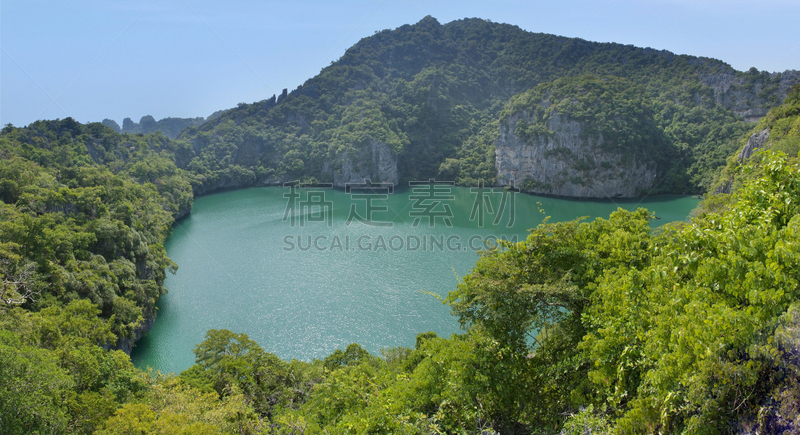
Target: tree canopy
(602, 326)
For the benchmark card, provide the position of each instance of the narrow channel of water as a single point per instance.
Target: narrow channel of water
(303, 291)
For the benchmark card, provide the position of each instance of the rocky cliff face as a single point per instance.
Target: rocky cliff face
(752, 94)
(223, 181)
(756, 141)
(568, 163)
(376, 162)
(126, 344)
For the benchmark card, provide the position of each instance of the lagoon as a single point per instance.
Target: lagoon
(304, 272)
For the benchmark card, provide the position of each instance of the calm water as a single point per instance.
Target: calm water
(304, 291)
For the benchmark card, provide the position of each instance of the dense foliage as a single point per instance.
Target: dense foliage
(604, 326)
(601, 326)
(783, 127)
(434, 93)
(84, 215)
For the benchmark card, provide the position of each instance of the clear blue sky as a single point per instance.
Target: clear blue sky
(95, 59)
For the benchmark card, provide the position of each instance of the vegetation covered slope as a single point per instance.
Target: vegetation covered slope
(433, 94)
(599, 325)
(604, 326)
(84, 215)
(779, 131)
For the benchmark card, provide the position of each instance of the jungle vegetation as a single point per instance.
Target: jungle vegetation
(606, 326)
(434, 94)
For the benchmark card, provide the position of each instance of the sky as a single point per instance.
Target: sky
(96, 59)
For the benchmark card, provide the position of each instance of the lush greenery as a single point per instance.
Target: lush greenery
(84, 215)
(783, 125)
(604, 326)
(434, 93)
(601, 326)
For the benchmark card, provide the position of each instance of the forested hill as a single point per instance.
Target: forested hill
(778, 131)
(585, 327)
(424, 101)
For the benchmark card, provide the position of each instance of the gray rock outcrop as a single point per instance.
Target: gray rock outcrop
(568, 163)
(126, 344)
(376, 162)
(756, 141)
(752, 94)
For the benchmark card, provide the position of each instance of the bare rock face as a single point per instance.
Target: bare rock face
(568, 163)
(757, 140)
(753, 94)
(375, 162)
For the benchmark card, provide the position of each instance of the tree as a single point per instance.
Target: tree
(32, 389)
(226, 360)
(19, 283)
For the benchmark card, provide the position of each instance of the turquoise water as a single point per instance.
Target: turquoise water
(304, 291)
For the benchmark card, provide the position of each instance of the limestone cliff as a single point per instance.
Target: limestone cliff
(375, 162)
(568, 162)
(752, 94)
(583, 137)
(756, 141)
(126, 344)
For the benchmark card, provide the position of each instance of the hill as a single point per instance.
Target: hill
(603, 326)
(169, 127)
(424, 101)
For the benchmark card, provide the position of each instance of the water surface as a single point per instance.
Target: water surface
(302, 292)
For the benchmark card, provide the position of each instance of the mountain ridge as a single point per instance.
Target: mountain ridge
(605, 326)
(430, 93)
(169, 127)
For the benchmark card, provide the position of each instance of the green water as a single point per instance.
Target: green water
(302, 292)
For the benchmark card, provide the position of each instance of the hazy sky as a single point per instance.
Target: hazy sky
(95, 59)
